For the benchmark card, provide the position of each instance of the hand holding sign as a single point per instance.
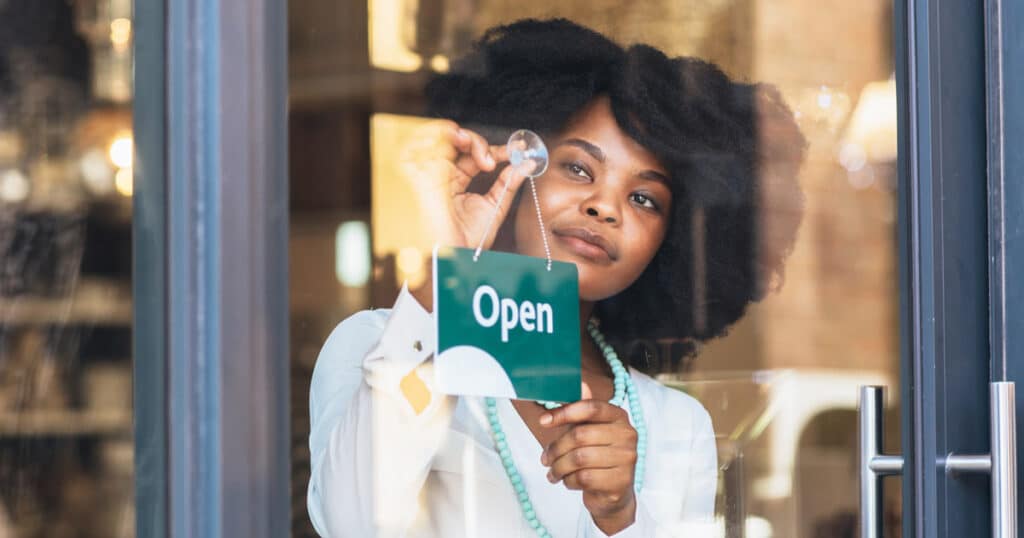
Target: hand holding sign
(596, 455)
(534, 351)
(439, 161)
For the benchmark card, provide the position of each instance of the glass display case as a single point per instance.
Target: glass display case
(781, 435)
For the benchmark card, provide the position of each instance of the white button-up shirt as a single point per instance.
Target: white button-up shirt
(381, 469)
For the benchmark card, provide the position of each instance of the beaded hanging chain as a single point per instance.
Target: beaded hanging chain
(625, 391)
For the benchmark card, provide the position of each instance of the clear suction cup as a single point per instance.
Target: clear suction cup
(527, 152)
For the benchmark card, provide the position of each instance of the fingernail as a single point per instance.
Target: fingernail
(551, 477)
(545, 419)
(489, 159)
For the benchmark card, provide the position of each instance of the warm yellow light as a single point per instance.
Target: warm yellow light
(439, 63)
(822, 107)
(825, 97)
(123, 181)
(121, 151)
(872, 125)
(387, 48)
(410, 264)
(410, 261)
(398, 218)
(14, 186)
(120, 32)
(97, 174)
(852, 156)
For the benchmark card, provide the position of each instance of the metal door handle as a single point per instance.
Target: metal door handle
(1001, 463)
(872, 464)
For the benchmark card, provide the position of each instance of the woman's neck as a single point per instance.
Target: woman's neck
(592, 360)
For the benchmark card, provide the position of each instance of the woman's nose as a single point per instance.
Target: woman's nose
(593, 212)
(602, 209)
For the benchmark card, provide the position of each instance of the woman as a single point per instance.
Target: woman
(654, 162)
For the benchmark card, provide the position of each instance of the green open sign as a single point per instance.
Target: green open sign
(506, 326)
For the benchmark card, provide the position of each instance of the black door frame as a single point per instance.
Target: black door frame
(957, 202)
(212, 432)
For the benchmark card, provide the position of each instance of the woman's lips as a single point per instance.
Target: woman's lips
(586, 244)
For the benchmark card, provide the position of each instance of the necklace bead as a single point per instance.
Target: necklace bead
(625, 394)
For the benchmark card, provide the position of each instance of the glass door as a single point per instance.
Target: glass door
(807, 198)
(791, 283)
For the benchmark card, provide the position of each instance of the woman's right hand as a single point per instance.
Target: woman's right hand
(439, 161)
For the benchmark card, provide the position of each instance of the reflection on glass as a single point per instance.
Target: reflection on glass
(825, 325)
(66, 447)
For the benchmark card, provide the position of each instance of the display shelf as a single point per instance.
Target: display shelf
(97, 302)
(65, 422)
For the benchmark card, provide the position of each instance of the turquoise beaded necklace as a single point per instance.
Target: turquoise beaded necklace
(625, 392)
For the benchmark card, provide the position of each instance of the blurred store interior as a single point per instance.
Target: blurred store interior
(65, 245)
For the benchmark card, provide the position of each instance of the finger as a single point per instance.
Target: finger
(583, 411)
(606, 481)
(585, 393)
(590, 457)
(470, 160)
(474, 154)
(459, 178)
(442, 138)
(500, 153)
(587, 435)
(468, 165)
(504, 190)
(430, 176)
(460, 138)
(482, 153)
(466, 145)
(442, 154)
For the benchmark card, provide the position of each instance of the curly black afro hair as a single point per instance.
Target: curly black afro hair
(732, 151)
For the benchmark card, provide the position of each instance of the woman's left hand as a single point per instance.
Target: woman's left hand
(596, 455)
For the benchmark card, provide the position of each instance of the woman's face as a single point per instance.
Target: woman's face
(605, 201)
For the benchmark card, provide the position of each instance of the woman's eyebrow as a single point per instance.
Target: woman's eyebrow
(596, 153)
(655, 176)
(593, 150)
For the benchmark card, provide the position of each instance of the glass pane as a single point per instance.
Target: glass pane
(766, 158)
(65, 281)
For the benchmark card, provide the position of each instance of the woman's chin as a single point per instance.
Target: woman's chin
(593, 288)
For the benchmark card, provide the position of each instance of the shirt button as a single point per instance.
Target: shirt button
(417, 346)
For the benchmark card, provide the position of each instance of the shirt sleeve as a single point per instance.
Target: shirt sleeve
(370, 445)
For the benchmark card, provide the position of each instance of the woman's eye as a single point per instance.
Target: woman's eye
(643, 200)
(577, 169)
